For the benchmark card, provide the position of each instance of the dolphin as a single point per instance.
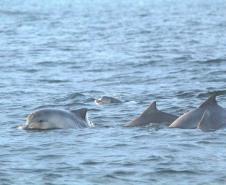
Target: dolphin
(152, 115)
(190, 119)
(213, 119)
(106, 100)
(57, 119)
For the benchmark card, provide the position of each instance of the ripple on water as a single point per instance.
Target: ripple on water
(65, 55)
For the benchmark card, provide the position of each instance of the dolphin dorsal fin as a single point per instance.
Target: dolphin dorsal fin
(152, 107)
(80, 113)
(210, 101)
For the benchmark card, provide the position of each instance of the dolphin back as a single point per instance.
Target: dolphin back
(152, 115)
(188, 120)
(213, 120)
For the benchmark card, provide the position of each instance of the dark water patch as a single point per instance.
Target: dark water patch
(54, 176)
(14, 12)
(186, 94)
(165, 171)
(150, 63)
(73, 100)
(46, 63)
(29, 70)
(204, 142)
(95, 92)
(98, 70)
(213, 61)
(28, 170)
(67, 49)
(151, 158)
(88, 100)
(207, 94)
(74, 105)
(49, 157)
(91, 163)
(123, 173)
(217, 73)
(129, 164)
(5, 179)
(74, 96)
(141, 136)
(184, 145)
(36, 52)
(209, 142)
(46, 106)
(120, 145)
(221, 180)
(119, 179)
(29, 148)
(55, 81)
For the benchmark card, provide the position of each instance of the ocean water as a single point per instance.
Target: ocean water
(65, 54)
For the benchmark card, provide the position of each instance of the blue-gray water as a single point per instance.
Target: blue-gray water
(64, 54)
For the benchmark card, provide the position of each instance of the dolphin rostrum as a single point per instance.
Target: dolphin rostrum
(152, 115)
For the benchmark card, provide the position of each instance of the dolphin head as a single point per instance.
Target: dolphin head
(103, 100)
(107, 100)
(41, 119)
(57, 119)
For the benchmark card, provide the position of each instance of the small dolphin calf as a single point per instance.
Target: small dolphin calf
(191, 119)
(152, 115)
(57, 119)
(213, 119)
(107, 100)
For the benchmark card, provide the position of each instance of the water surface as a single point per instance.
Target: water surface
(64, 54)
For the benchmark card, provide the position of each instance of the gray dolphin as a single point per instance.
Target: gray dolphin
(106, 100)
(213, 119)
(57, 119)
(191, 119)
(152, 115)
